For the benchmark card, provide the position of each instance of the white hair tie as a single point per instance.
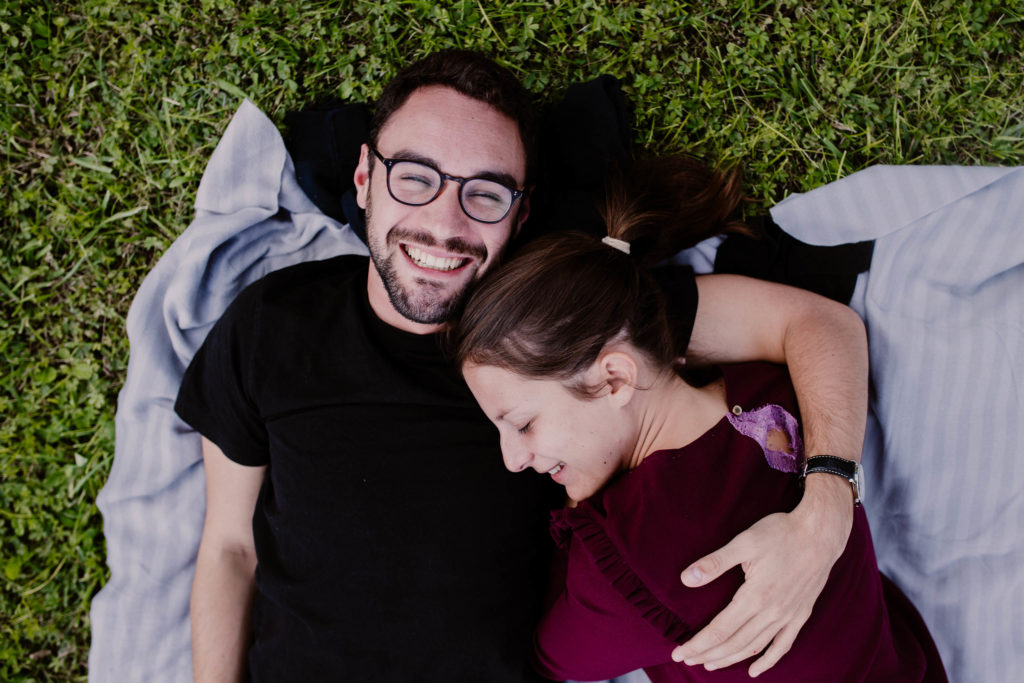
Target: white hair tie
(621, 245)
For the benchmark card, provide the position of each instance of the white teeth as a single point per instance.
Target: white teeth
(556, 469)
(425, 260)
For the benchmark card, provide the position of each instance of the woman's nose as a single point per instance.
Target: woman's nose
(517, 458)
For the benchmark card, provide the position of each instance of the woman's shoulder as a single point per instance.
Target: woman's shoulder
(758, 383)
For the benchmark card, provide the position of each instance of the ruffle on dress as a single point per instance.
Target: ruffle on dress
(578, 522)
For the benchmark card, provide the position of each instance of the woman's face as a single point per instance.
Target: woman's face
(581, 443)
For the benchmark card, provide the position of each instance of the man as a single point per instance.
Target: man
(392, 545)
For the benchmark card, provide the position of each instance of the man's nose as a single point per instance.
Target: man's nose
(444, 216)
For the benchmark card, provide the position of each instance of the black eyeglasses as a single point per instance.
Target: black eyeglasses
(415, 183)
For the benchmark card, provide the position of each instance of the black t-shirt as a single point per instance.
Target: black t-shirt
(392, 544)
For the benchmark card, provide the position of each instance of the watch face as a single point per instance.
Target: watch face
(858, 481)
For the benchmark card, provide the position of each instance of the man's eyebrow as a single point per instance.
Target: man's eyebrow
(500, 177)
(409, 155)
(505, 179)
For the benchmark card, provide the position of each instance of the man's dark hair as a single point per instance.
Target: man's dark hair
(468, 73)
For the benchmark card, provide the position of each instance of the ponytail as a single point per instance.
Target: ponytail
(662, 205)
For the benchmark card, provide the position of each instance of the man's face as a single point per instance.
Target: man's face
(427, 257)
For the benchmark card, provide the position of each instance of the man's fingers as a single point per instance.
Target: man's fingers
(739, 653)
(710, 567)
(749, 641)
(730, 627)
(780, 646)
(711, 636)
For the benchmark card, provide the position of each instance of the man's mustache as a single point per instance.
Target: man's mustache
(456, 245)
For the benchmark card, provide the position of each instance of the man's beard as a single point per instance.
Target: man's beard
(424, 301)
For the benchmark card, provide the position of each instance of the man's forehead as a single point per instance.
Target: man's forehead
(461, 135)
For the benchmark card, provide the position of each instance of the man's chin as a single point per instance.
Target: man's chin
(427, 310)
(436, 315)
(420, 298)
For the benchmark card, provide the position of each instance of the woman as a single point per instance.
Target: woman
(568, 351)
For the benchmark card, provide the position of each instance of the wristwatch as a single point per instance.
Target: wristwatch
(850, 470)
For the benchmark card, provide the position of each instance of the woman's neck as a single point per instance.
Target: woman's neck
(674, 414)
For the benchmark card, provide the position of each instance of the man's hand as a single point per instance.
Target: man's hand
(786, 558)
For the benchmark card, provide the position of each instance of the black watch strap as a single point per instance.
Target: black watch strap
(841, 467)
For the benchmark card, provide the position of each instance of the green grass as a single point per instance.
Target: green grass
(110, 110)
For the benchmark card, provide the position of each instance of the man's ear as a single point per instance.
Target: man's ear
(361, 177)
(619, 372)
(524, 211)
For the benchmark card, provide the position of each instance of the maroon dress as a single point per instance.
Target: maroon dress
(618, 604)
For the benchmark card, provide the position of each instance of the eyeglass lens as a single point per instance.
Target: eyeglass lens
(417, 184)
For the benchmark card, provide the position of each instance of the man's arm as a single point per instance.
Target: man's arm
(225, 569)
(786, 557)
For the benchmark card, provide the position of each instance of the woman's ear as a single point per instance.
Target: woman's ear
(618, 371)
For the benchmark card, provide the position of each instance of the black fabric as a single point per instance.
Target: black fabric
(353, 214)
(778, 257)
(323, 141)
(392, 543)
(680, 288)
(583, 135)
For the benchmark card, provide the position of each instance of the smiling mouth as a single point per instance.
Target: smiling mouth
(556, 469)
(431, 262)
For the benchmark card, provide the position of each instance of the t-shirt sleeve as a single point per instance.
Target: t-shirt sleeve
(216, 396)
(679, 285)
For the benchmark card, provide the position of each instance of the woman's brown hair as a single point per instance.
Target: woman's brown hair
(549, 311)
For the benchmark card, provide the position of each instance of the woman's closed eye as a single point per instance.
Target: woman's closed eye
(526, 427)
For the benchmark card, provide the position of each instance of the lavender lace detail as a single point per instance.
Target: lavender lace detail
(759, 423)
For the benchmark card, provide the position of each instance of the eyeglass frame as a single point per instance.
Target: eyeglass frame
(445, 177)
